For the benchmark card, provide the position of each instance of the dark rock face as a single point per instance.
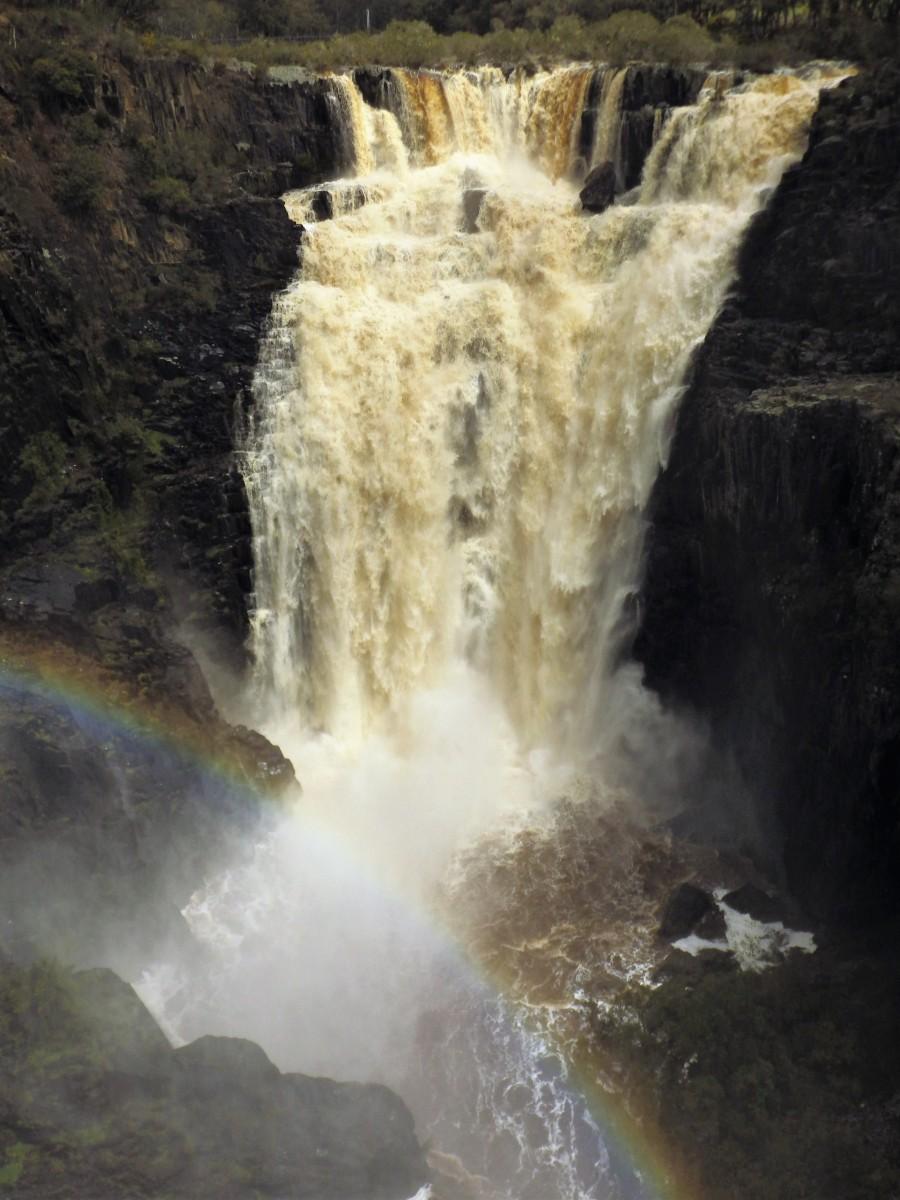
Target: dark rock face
(325, 207)
(473, 199)
(684, 910)
(649, 93)
(599, 189)
(755, 903)
(804, 1048)
(770, 603)
(92, 1093)
(149, 322)
(711, 925)
(128, 341)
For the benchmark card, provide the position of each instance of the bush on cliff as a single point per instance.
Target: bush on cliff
(64, 76)
(43, 462)
(168, 195)
(81, 181)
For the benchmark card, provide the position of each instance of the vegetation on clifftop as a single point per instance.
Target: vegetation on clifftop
(329, 34)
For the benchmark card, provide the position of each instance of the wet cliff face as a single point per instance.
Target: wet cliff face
(130, 329)
(771, 600)
(128, 338)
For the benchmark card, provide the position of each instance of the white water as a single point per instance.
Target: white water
(454, 438)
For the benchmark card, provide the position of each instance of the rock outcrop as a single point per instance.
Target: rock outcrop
(599, 189)
(94, 1102)
(771, 601)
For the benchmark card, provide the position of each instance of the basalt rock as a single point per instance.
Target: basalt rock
(92, 1093)
(599, 189)
(755, 903)
(473, 199)
(684, 910)
(771, 600)
(129, 336)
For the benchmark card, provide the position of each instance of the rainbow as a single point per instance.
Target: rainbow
(61, 678)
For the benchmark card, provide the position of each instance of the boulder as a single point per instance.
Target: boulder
(91, 1092)
(473, 198)
(711, 925)
(333, 200)
(599, 189)
(755, 903)
(685, 908)
(689, 969)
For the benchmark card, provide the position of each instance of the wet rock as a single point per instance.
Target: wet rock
(716, 961)
(93, 1091)
(328, 202)
(684, 909)
(649, 93)
(689, 969)
(711, 925)
(226, 1056)
(453, 1182)
(755, 903)
(599, 189)
(771, 603)
(473, 198)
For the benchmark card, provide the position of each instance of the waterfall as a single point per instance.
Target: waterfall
(461, 406)
(465, 426)
(609, 118)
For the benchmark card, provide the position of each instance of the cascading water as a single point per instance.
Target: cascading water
(461, 407)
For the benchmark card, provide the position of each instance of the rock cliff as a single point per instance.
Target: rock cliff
(129, 328)
(94, 1102)
(771, 600)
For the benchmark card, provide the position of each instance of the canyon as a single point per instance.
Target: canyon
(131, 565)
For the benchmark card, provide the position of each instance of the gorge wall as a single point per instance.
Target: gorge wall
(128, 338)
(771, 603)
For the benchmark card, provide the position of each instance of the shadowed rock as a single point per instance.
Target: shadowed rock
(684, 909)
(770, 603)
(473, 199)
(91, 1092)
(599, 189)
(755, 903)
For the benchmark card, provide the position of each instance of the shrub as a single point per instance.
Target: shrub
(43, 461)
(64, 76)
(168, 195)
(681, 40)
(81, 181)
(85, 131)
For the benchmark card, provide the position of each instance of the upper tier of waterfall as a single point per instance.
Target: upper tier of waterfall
(468, 390)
